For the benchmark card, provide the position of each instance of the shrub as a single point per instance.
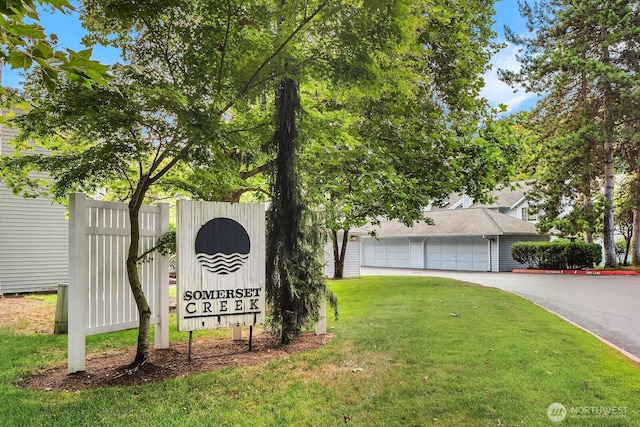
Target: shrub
(557, 255)
(525, 253)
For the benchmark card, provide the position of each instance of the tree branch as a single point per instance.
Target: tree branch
(255, 171)
(224, 47)
(286, 41)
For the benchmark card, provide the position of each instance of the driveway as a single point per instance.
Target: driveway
(607, 306)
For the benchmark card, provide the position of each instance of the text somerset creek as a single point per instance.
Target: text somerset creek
(221, 301)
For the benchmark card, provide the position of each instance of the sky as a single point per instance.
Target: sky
(69, 32)
(496, 91)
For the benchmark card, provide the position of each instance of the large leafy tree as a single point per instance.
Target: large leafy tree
(193, 66)
(415, 133)
(295, 280)
(581, 57)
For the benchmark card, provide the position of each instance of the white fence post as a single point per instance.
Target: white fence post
(162, 328)
(321, 326)
(78, 280)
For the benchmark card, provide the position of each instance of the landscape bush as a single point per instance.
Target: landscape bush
(557, 255)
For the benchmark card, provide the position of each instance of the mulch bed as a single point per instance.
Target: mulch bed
(29, 316)
(206, 355)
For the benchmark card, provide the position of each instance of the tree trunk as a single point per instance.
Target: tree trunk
(339, 253)
(608, 227)
(626, 251)
(588, 207)
(338, 269)
(608, 133)
(285, 214)
(635, 234)
(144, 311)
(635, 239)
(609, 230)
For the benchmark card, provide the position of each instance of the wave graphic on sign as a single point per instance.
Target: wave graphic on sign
(222, 263)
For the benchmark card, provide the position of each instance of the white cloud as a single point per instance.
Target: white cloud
(498, 92)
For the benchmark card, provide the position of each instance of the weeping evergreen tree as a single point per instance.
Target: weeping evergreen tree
(295, 281)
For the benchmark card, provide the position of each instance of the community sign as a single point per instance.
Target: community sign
(220, 273)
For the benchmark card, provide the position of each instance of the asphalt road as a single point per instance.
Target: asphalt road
(607, 306)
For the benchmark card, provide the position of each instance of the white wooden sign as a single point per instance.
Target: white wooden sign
(220, 264)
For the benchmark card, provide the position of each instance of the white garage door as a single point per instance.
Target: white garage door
(386, 253)
(457, 253)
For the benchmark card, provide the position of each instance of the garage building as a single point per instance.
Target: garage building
(465, 239)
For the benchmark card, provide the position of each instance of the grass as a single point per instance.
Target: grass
(409, 351)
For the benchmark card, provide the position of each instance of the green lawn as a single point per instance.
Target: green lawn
(409, 351)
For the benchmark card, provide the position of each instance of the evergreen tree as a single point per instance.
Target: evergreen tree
(295, 243)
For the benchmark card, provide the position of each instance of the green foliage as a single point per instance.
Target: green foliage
(557, 255)
(525, 253)
(400, 79)
(417, 131)
(194, 66)
(26, 45)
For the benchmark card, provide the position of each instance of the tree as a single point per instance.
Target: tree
(579, 58)
(417, 132)
(295, 281)
(188, 74)
(566, 168)
(25, 44)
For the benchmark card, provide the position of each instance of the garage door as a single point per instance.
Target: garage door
(457, 253)
(386, 253)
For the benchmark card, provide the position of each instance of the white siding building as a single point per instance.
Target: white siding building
(33, 238)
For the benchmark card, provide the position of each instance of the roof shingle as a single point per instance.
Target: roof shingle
(459, 222)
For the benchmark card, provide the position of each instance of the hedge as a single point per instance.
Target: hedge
(557, 255)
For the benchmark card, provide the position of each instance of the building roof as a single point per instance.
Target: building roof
(506, 197)
(459, 222)
(502, 197)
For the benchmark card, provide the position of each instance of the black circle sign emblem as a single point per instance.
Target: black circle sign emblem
(222, 246)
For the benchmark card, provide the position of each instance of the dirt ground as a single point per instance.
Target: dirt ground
(26, 315)
(29, 316)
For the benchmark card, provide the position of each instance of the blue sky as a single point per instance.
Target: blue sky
(496, 91)
(69, 32)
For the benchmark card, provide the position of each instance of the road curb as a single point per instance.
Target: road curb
(603, 340)
(580, 272)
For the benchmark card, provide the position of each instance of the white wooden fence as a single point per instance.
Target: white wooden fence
(100, 299)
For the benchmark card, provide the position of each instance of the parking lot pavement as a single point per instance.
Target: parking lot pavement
(606, 306)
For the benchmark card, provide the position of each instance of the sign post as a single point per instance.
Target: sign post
(220, 264)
